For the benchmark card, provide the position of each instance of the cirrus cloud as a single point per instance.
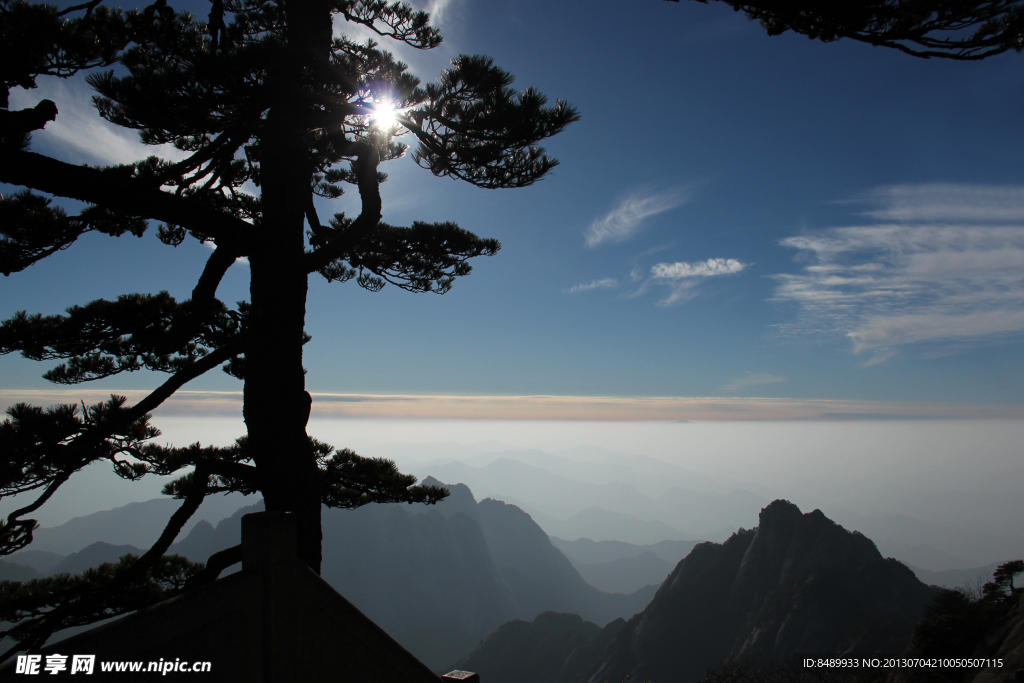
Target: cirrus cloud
(943, 272)
(79, 133)
(948, 202)
(627, 218)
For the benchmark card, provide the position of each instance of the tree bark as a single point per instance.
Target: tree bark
(276, 404)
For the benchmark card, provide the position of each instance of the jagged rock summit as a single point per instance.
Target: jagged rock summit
(798, 583)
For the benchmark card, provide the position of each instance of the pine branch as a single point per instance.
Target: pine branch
(74, 606)
(104, 338)
(217, 563)
(116, 189)
(186, 374)
(948, 29)
(45, 449)
(338, 243)
(397, 20)
(16, 125)
(216, 267)
(475, 128)
(16, 533)
(351, 481)
(426, 257)
(32, 229)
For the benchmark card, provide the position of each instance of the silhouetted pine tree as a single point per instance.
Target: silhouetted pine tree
(953, 29)
(1001, 586)
(262, 92)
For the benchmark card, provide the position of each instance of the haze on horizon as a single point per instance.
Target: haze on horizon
(940, 494)
(766, 228)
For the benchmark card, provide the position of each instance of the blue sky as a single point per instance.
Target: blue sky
(832, 226)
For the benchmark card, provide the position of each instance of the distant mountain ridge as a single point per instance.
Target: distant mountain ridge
(437, 578)
(535, 652)
(626, 574)
(795, 583)
(618, 567)
(552, 487)
(589, 551)
(951, 529)
(610, 510)
(136, 524)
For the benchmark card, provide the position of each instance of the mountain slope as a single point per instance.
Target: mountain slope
(540, 576)
(626, 574)
(426, 579)
(796, 583)
(137, 524)
(91, 556)
(587, 551)
(437, 578)
(12, 571)
(523, 651)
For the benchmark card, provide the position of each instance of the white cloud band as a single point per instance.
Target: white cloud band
(897, 284)
(682, 277)
(604, 283)
(710, 268)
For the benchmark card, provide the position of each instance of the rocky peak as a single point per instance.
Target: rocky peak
(796, 583)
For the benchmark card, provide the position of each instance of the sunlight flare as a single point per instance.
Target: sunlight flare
(384, 115)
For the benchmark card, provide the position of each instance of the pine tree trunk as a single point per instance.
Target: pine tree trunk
(276, 404)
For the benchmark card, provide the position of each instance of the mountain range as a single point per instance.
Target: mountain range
(796, 583)
(618, 567)
(593, 493)
(437, 578)
(446, 579)
(612, 510)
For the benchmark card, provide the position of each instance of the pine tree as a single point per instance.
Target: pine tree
(1001, 586)
(951, 29)
(261, 92)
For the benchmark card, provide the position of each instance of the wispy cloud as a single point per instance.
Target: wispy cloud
(948, 202)
(543, 407)
(682, 277)
(603, 283)
(439, 10)
(626, 219)
(79, 135)
(751, 379)
(937, 282)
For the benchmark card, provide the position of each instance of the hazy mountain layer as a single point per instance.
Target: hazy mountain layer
(536, 652)
(599, 524)
(92, 556)
(626, 574)
(437, 578)
(40, 560)
(932, 528)
(12, 571)
(137, 524)
(574, 495)
(589, 551)
(969, 579)
(602, 509)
